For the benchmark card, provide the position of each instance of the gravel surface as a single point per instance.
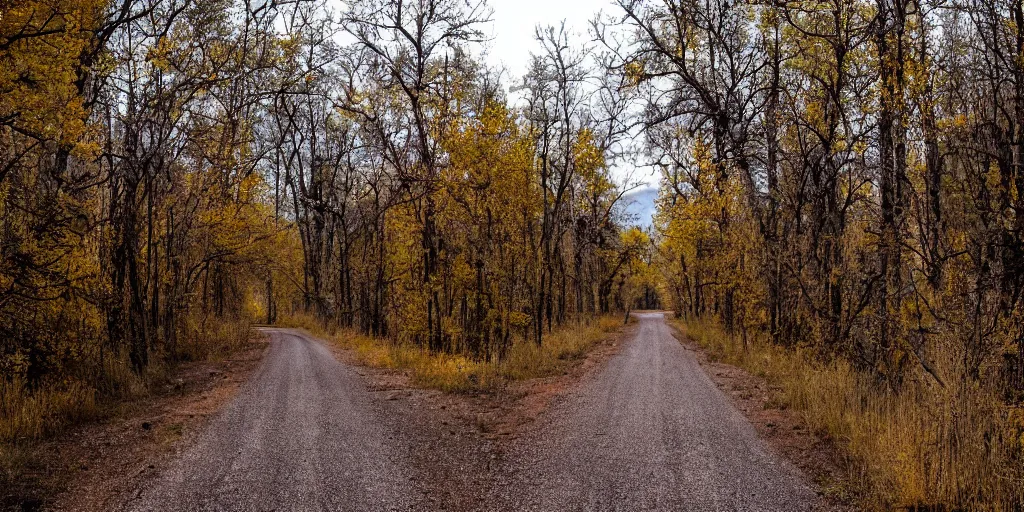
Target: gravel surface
(303, 434)
(650, 431)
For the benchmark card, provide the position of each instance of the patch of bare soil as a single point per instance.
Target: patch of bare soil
(783, 429)
(525, 400)
(88, 466)
(497, 413)
(466, 432)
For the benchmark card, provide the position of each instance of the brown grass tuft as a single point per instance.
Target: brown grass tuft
(927, 447)
(458, 373)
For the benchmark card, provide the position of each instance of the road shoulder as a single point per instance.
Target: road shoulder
(782, 429)
(90, 466)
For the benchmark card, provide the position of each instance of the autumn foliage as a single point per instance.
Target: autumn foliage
(841, 203)
(432, 210)
(842, 181)
(173, 171)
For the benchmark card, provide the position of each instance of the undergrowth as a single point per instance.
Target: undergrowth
(95, 385)
(927, 447)
(457, 373)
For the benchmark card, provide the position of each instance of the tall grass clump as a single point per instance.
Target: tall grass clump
(460, 373)
(27, 414)
(93, 381)
(929, 446)
(207, 338)
(527, 360)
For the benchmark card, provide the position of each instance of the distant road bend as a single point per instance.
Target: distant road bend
(649, 431)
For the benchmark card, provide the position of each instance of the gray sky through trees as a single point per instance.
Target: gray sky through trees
(512, 40)
(511, 34)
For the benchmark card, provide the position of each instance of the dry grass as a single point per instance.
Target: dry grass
(927, 447)
(210, 339)
(96, 389)
(29, 415)
(449, 373)
(457, 373)
(33, 414)
(526, 360)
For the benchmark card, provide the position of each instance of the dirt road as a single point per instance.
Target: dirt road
(303, 434)
(649, 431)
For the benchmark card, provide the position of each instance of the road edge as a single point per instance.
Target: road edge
(783, 430)
(95, 465)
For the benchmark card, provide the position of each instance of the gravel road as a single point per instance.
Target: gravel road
(649, 431)
(303, 434)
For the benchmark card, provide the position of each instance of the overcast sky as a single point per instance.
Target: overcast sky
(512, 31)
(512, 40)
(515, 21)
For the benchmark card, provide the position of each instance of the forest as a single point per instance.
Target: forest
(174, 170)
(841, 182)
(846, 179)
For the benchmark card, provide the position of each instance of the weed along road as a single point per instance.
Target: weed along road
(650, 431)
(302, 434)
